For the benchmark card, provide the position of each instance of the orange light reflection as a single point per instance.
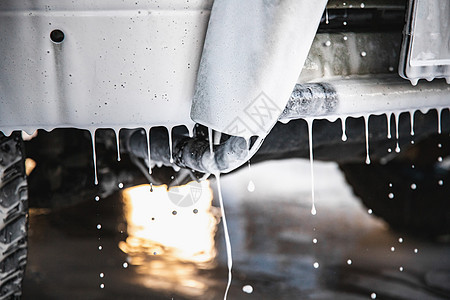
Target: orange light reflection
(171, 235)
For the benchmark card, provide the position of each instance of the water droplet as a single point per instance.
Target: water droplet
(400, 240)
(349, 262)
(100, 248)
(363, 54)
(413, 186)
(247, 289)
(102, 275)
(391, 69)
(369, 211)
(344, 23)
(251, 186)
(328, 43)
(102, 285)
(416, 250)
(154, 253)
(373, 296)
(441, 182)
(315, 241)
(362, 5)
(174, 212)
(413, 166)
(316, 265)
(97, 198)
(389, 150)
(345, 38)
(391, 195)
(120, 185)
(439, 159)
(401, 269)
(390, 184)
(125, 265)
(195, 211)
(99, 226)
(392, 249)
(151, 187)
(313, 211)
(439, 145)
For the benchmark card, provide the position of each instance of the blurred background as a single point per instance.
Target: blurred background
(143, 244)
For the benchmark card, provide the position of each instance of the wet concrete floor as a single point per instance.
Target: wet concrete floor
(114, 248)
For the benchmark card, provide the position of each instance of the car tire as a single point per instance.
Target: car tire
(13, 216)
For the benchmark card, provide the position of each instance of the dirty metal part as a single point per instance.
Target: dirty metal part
(362, 95)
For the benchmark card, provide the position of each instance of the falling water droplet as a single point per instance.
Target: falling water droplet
(439, 159)
(151, 187)
(174, 212)
(401, 269)
(345, 38)
(369, 211)
(326, 17)
(392, 249)
(373, 296)
(247, 289)
(100, 248)
(416, 250)
(366, 126)
(390, 184)
(94, 156)
(314, 241)
(125, 265)
(227, 236)
(316, 265)
(400, 240)
(391, 195)
(99, 226)
(328, 43)
(102, 275)
(349, 262)
(413, 186)
(97, 198)
(120, 185)
(251, 186)
(344, 135)
(102, 285)
(440, 182)
(362, 5)
(363, 53)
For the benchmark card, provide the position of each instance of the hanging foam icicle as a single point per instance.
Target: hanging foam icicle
(117, 133)
(366, 129)
(148, 151)
(94, 156)
(210, 139)
(169, 130)
(397, 121)
(227, 236)
(343, 123)
(439, 112)
(251, 184)
(411, 119)
(311, 162)
(388, 119)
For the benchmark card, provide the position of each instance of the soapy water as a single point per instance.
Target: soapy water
(251, 186)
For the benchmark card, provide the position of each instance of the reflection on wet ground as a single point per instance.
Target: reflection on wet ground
(164, 246)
